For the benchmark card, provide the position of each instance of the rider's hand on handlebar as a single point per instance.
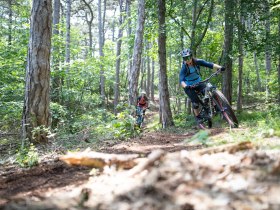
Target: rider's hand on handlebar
(222, 68)
(188, 87)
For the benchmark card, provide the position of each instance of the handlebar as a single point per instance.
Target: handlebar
(205, 80)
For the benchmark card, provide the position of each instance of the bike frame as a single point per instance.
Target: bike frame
(208, 102)
(206, 98)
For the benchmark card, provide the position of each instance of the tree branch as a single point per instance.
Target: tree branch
(89, 7)
(207, 24)
(200, 11)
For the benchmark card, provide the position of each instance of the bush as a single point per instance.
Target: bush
(27, 156)
(59, 114)
(10, 114)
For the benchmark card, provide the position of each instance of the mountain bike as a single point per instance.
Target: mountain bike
(212, 102)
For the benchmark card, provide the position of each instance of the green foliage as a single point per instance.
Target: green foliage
(184, 120)
(27, 156)
(59, 115)
(199, 138)
(121, 126)
(10, 115)
(264, 119)
(40, 131)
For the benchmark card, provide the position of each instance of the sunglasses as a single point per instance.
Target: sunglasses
(187, 58)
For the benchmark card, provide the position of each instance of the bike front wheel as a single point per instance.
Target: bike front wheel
(224, 107)
(139, 121)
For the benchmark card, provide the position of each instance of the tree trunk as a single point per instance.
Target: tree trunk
(101, 22)
(128, 15)
(228, 40)
(194, 20)
(257, 72)
(118, 62)
(165, 111)
(267, 52)
(137, 52)
(240, 56)
(56, 85)
(143, 74)
(148, 72)
(114, 25)
(36, 111)
(278, 60)
(68, 25)
(10, 22)
(152, 81)
(89, 23)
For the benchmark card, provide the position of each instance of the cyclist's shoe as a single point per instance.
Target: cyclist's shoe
(199, 119)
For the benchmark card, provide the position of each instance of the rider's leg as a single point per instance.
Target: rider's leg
(195, 99)
(196, 111)
(195, 102)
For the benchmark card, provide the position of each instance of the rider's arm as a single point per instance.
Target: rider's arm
(216, 67)
(182, 74)
(210, 65)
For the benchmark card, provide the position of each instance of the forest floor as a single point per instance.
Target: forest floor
(171, 172)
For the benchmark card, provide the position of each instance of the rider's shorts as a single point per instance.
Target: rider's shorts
(192, 93)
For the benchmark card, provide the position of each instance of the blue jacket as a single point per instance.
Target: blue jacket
(190, 74)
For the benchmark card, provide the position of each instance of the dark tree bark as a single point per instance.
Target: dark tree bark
(89, 23)
(36, 112)
(278, 59)
(267, 51)
(137, 52)
(152, 81)
(165, 111)
(148, 76)
(240, 56)
(128, 15)
(56, 82)
(118, 62)
(228, 40)
(257, 72)
(101, 23)
(68, 24)
(10, 22)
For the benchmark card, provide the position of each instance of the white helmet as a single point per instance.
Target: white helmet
(143, 92)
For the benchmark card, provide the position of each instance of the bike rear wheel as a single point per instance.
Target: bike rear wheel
(224, 107)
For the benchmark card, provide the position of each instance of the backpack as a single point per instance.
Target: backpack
(197, 68)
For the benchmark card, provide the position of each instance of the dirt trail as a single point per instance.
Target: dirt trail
(180, 180)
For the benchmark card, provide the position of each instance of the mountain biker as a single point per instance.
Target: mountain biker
(190, 75)
(143, 101)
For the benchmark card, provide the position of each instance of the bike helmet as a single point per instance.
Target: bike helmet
(186, 53)
(143, 92)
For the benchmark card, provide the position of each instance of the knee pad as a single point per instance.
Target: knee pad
(195, 105)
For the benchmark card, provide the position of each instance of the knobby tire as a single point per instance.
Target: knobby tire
(225, 108)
